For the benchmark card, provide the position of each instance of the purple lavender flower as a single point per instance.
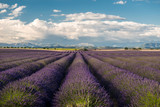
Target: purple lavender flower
(80, 88)
(37, 89)
(129, 89)
(24, 70)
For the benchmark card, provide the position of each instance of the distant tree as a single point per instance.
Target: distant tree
(44, 48)
(126, 48)
(134, 48)
(85, 49)
(139, 48)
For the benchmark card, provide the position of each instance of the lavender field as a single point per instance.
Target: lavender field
(38, 78)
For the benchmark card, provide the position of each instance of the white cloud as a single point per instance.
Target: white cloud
(120, 2)
(14, 6)
(101, 30)
(152, 31)
(17, 12)
(85, 44)
(56, 11)
(13, 31)
(3, 11)
(3, 6)
(91, 16)
(57, 15)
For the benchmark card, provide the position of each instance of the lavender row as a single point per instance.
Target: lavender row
(19, 62)
(13, 58)
(137, 68)
(129, 89)
(18, 55)
(37, 89)
(24, 70)
(80, 88)
(34, 57)
(152, 62)
(125, 53)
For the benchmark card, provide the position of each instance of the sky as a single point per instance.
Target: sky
(80, 22)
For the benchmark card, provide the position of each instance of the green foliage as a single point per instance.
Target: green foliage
(16, 98)
(85, 49)
(13, 96)
(149, 100)
(82, 99)
(126, 48)
(134, 48)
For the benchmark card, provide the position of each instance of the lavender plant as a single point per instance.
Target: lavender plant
(17, 63)
(24, 70)
(80, 88)
(37, 89)
(128, 88)
(7, 56)
(136, 68)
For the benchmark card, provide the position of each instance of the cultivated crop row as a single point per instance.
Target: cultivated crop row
(24, 70)
(129, 89)
(141, 68)
(79, 79)
(81, 88)
(36, 89)
(9, 56)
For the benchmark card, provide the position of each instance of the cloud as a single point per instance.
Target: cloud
(16, 12)
(97, 30)
(3, 11)
(3, 6)
(85, 44)
(152, 31)
(91, 16)
(13, 31)
(58, 15)
(14, 6)
(57, 11)
(120, 2)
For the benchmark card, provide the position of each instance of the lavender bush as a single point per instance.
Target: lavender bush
(80, 88)
(37, 89)
(9, 65)
(24, 70)
(135, 67)
(128, 88)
